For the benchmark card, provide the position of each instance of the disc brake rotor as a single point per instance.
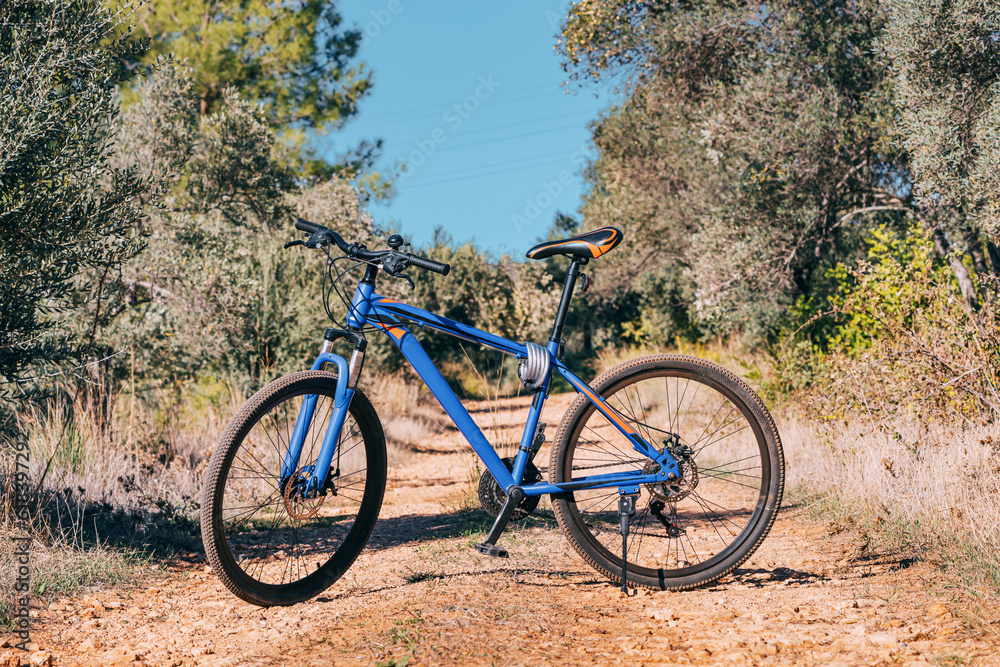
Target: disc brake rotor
(296, 505)
(677, 489)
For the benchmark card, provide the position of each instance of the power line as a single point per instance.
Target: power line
(491, 170)
(441, 107)
(482, 175)
(520, 123)
(510, 137)
(486, 130)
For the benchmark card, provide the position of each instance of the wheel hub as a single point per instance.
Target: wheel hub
(671, 491)
(298, 505)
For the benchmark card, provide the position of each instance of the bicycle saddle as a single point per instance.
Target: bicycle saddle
(590, 245)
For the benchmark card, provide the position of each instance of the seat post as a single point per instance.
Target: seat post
(567, 297)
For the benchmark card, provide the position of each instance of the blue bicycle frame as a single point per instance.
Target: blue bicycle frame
(392, 317)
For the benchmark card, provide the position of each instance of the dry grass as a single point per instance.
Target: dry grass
(912, 487)
(119, 486)
(411, 418)
(940, 480)
(115, 492)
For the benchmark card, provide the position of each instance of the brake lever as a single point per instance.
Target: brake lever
(393, 264)
(317, 239)
(407, 278)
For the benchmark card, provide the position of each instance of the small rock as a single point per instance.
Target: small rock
(659, 614)
(724, 615)
(32, 647)
(937, 610)
(120, 655)
(90, 643)
(114, 604)
(882, 639)
(40, 659)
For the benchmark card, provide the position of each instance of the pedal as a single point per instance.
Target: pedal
(491, 550)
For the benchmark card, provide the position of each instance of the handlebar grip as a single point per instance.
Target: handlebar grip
(305, 226)
(430, 265)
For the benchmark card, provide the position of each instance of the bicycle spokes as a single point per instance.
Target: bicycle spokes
(276, 529)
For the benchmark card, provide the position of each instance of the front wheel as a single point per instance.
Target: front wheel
(268, 545)
(699, 527)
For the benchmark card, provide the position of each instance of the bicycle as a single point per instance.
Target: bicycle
(674, 451)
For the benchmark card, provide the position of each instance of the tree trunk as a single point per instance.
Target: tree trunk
(993, 255)
(955, 262)
(982, 273)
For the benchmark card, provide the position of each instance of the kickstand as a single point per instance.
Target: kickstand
(626, 510)
(489, 545)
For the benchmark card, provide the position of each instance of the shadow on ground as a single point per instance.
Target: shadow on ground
(416, 528)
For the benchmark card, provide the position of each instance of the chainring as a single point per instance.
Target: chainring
(492, 497)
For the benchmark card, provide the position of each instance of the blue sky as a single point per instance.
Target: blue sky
(469, 95)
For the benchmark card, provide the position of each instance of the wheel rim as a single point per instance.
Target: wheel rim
(271, 541)
(681, 531)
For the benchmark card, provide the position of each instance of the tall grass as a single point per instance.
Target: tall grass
(118, 486)
(116, 479)
(909, 485)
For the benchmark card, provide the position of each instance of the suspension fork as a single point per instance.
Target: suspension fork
(347, 377)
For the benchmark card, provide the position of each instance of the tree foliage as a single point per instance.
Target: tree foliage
(945, 67)
(216, 294)
(65, 208)
(750, 151)
(295, 57)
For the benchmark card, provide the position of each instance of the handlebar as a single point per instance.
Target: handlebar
(429, 264)
(304, 225)
(361, 252)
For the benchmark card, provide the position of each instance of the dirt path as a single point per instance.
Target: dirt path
(421, 595)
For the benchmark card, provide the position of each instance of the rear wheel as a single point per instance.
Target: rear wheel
(693, 530)
(268, 545)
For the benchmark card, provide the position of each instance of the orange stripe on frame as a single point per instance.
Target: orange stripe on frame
(394, 331)
(611, 411)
